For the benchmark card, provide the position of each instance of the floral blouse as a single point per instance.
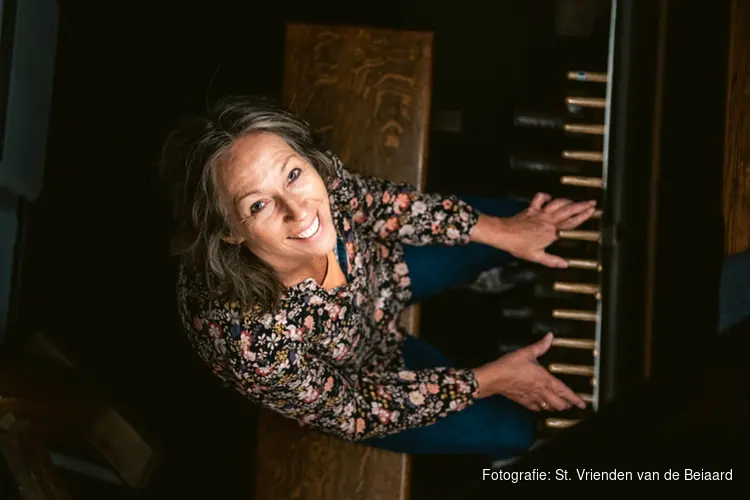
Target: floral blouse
(332, 359)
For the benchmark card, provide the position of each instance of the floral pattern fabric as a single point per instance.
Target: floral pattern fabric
(332, 359)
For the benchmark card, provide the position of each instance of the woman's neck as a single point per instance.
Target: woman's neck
(316, 268)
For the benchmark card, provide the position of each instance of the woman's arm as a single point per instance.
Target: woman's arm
(276, 369)
(316, 394)
(281, 374)
(391, 210)
(528, 234)
(399, 211)
(270, 361)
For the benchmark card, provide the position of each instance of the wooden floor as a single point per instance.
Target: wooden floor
(737, 159)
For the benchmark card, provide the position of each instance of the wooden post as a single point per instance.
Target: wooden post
(737, 144)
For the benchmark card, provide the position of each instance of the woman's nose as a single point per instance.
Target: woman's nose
(297, 209)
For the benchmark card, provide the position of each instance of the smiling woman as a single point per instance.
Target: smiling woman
(202, 164)
(278, 207)
(295, 270)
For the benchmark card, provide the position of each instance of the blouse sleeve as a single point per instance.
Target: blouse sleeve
(275, 369)
(399, 211)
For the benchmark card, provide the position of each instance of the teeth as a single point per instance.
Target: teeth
(309, 231)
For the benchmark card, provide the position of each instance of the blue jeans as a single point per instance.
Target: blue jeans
(496, 427)
(734, 291)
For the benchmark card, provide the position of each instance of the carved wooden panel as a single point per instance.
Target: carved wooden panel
(737, 162)
(298, 464)
(366, 92)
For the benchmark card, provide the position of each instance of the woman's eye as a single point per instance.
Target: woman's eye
(294, 174)
(256, 207)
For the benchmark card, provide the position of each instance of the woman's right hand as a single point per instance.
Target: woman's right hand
(520, 377)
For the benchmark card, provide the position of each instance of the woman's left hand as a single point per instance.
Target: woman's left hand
(527, 234)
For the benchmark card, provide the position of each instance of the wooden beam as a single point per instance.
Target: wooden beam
(35, 475)
(76, 408)
(132, 453)
(43, 348)
(737, 160)
(366, 92)
(51, 398)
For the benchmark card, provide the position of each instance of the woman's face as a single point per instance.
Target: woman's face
(277, 202)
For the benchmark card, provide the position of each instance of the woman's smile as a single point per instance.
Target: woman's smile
(313, 230)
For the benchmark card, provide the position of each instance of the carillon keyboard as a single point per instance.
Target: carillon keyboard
(621, 122)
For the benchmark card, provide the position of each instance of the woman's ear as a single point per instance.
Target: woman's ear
(233, 239)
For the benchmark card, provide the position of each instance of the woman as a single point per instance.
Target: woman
(295, 271)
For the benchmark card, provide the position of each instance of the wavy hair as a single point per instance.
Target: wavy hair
(188, 166)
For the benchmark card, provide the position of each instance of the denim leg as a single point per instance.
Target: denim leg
(436, 268)
(734, 291)
(495, 427)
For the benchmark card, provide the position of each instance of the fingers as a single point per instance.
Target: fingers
(578, 219)
(531, 404)
(554, 402)
(555, 393)
(566, 209)
(557, 205)
(562, 391)
(547, 400)
(550, 260)
(539, 200)
(530, 400)
(542, 346)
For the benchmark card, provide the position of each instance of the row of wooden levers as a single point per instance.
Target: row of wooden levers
(564, 158)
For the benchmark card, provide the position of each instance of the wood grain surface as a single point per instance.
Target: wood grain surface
(737, 162)
(366, 93)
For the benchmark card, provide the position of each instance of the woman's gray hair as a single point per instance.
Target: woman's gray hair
(188, 166)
